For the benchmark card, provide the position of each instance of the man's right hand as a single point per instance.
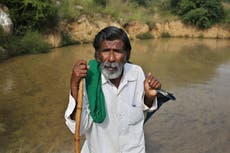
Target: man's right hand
(79, 71)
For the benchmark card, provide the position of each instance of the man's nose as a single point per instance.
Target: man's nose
(111, 56)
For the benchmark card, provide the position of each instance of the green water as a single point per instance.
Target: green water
(34, 94)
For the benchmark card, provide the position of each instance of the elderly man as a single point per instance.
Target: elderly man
(116, 94)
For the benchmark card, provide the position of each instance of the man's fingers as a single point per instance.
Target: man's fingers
(83, 73)
(80, 69)
(153, 82)
(82, 62)
(83, 66)
(149, 77)
(156, 85)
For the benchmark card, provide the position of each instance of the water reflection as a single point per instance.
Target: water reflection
(183, 60)
(34, 91)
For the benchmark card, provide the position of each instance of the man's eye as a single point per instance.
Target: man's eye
(118, 51)
(105, 50)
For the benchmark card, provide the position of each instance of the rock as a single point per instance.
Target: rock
(135, 27)
(5, 21)
(54, 39)
(178, 29)
(84, 30)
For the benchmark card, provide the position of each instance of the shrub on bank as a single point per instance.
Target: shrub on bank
(165, 34)
(3, 53)
(37, 15)
(146, 35)
(31, 42)
(66, 39)
(201, 13)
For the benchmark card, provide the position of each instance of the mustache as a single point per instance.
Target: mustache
(109, 64)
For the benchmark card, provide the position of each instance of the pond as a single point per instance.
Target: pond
(34, 94)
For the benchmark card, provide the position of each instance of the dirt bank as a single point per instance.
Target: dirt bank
(84, 29)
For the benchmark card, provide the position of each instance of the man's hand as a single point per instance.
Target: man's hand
(79, 71)
(150, 86)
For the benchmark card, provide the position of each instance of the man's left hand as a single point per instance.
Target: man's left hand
(150, 86)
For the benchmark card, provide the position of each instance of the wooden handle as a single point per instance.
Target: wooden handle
(78, 117)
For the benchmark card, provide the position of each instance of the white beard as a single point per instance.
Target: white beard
(111, 74)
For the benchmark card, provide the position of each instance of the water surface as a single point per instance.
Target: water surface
(34, 94)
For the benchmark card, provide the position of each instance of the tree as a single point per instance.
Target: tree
(202, 13)
(32, 15)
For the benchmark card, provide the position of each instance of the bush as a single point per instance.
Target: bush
(3, 53)
(100, 2)
(146, 35)
(2, 36)
(185, 6)
(227, 14)
(201, 35)
(197, 17)
(165, 34)
(13, 46)
(33, 42)
(142, 2)
(32, 15)
(151, 25)
(6, 44)
(67, 10)
(201, 13)
(67, 40)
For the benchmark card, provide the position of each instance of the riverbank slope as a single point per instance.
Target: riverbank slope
(85, 28)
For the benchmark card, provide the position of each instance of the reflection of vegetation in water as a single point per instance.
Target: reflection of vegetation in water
(33, 96)
(2, 128)
(186, 62)
(33, 101)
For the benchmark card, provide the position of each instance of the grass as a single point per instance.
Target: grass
(157, 10)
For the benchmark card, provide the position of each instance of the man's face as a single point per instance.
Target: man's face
(112, 58)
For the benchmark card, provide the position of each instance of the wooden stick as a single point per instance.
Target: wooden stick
(78, 117)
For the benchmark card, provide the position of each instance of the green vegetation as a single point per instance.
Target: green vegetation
(121, 10)
(29, 15)
(201, 13)
(146, 35)
(165, 34)
(44, 16)
(33, 42)
(38, 15)
(226, 5)
(67, 40)
(30, 43)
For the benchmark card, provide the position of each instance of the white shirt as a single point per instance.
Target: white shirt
(122, 130)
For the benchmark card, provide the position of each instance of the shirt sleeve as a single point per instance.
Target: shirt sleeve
(86, 119)
(154, 106)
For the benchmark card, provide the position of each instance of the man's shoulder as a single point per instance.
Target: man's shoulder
(132, 66)
(133, 69)
(133, 72)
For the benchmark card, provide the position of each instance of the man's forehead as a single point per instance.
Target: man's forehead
(112, 43)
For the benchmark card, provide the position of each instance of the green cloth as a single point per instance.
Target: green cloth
(95, 93)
